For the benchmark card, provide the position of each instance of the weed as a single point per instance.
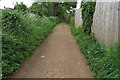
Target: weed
(102, 60)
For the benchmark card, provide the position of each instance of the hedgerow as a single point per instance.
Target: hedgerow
(21, 34)
(102, 59)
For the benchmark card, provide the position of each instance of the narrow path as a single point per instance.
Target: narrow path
(57, 57)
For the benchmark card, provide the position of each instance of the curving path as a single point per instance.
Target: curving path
(58, 56)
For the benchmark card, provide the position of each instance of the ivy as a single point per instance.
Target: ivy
(88, 9)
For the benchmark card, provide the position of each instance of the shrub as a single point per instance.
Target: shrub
(72, 21)
(21, 34)
(103, 59)
(21, 7)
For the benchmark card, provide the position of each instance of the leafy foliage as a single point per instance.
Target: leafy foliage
(53, 8)
(23, 29)
(102, 59)
(88, 9)
(21, 7)
(21, 34)
(71, 22)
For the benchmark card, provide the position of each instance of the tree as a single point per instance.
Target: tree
(20, 7)
(53, 8)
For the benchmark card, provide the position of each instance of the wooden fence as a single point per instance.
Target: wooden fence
(78, 18)
(105, 22)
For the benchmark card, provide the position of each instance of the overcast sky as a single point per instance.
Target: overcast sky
(28, 3)
(11, 3)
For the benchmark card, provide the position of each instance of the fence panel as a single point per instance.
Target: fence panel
(105, 22)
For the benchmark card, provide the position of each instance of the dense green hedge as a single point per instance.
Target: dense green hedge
(88, 9)
(102, 59)
(21, 34)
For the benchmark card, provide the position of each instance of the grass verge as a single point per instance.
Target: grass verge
(103, 59)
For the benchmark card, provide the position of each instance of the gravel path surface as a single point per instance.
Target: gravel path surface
(58, 56)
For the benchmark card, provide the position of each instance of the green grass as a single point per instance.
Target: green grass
(103, 59)
(21, 35)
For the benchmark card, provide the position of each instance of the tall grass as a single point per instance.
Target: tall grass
(103, 59)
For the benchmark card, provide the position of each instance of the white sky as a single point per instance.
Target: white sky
(28, 3)
(78, 4)
(11, 3)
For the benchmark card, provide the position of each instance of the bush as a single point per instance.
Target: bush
(21, 34)
(102, 59)
(55, 19)
(72, 21)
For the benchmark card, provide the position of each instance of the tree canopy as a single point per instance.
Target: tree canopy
(53, 8)
(20, 7)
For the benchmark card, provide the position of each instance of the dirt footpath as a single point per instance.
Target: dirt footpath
(58, 56)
